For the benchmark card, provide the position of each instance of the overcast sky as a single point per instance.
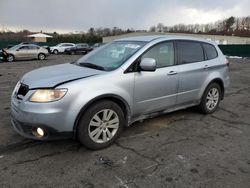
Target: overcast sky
(80, 15)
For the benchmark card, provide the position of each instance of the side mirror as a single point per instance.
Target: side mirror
(148, 64)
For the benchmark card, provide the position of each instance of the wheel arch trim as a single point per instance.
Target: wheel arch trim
(218, 81)
(115, 98)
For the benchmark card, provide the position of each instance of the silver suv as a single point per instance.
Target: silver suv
(122, 82)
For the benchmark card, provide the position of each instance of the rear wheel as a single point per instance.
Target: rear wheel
(72, 53)
(101, 125)
(41, 56)
(10, 58)
(211, 98)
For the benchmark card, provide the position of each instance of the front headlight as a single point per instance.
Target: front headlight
(47, 95)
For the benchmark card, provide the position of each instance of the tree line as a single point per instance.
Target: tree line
(232, 26)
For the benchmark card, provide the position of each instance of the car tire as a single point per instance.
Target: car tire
(10, 58)
(100, 125)
(41, 56)
(72, 53)
(55, 52)
(210, 99)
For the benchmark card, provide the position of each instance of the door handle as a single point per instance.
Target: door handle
(206, 67)
(172, 73)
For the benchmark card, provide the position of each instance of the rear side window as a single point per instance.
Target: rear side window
(33, 47)
(210, 51)
(189, 52)
(23, 48)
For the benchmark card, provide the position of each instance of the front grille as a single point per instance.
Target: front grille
(23, 90)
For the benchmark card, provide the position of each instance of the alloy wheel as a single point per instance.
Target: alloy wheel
(212, 98)
(103, 126)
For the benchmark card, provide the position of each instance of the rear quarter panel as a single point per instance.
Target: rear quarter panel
(217, 70)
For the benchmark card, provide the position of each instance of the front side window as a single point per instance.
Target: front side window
(111, 56)
(210, 51)
(189, 52)
(163, 53)
(24, 48)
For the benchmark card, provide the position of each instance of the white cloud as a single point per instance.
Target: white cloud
(139, 14)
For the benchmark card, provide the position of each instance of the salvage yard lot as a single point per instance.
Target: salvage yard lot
(180, 149)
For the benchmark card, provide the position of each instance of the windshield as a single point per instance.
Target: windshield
(110, 56)
(15, 47)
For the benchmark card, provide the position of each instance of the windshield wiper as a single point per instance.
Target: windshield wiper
(91, 65)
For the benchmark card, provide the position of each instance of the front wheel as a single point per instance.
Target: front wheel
(10, 58)
(101, 125)
(211, 98)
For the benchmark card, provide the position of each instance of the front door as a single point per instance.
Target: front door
(21, 52)
(157, 91)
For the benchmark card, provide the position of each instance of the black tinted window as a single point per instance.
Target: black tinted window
(163, 54)
(33, 47)
(210, 51)
(189, 52)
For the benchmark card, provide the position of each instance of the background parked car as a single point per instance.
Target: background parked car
(25, 51)
(97, 45)
(82, 48)
(1, 55)
(60, 48)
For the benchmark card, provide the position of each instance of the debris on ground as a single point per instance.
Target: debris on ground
(181, 157)
(104, 161)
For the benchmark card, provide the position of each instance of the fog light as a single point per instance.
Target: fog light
(40, 132)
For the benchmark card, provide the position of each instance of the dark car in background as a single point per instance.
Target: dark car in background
(80, 48)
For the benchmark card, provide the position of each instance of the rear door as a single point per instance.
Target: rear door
(193, 71)
(66, 46)
(156, 91)
(33, 51)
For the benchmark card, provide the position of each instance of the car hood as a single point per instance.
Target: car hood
(52, 76)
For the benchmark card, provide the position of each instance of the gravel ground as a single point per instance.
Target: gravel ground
(180, 149)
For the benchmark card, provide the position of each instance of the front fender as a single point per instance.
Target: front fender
(83, 92)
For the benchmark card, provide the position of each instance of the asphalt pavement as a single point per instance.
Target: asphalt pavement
(180, 149)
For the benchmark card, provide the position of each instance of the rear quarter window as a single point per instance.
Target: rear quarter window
(189, 52)
(210, 51)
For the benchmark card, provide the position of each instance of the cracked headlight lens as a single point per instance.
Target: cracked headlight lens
(47, 95)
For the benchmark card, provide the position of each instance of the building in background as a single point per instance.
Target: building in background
(39, 37)
(219, 39)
